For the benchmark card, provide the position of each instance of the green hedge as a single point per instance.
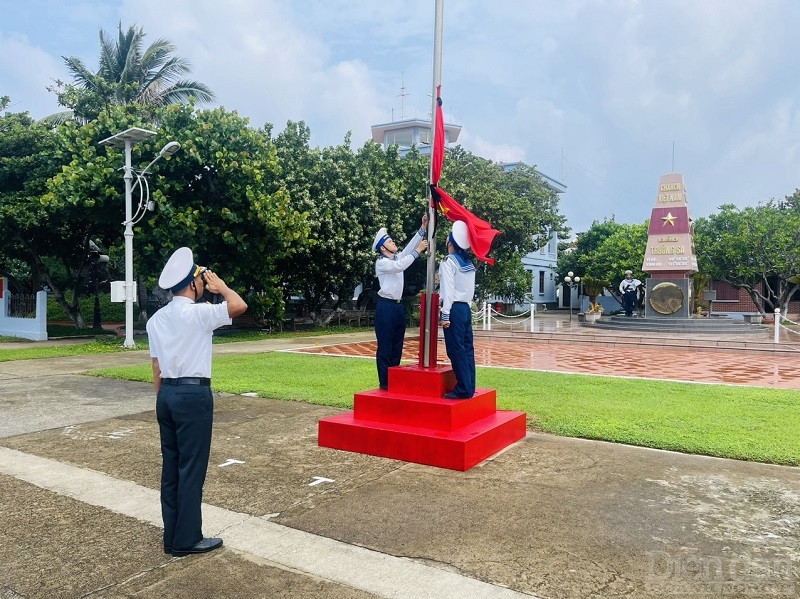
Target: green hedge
(109, 311)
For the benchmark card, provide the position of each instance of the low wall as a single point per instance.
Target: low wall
(34, 329)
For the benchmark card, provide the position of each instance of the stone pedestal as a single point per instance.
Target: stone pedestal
(668, 298)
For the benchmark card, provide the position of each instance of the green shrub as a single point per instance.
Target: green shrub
(109, 311)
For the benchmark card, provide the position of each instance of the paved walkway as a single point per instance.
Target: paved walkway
(559, 345)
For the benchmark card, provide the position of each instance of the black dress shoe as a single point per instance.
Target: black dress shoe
(167, 549)
(203, 546)
(452, 395)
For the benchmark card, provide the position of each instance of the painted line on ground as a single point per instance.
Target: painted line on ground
(371, 571)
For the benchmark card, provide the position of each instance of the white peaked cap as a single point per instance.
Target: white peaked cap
(178, 268)
(461, 234)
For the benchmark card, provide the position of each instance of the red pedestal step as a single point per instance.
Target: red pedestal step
(412, 422)
(432, 413)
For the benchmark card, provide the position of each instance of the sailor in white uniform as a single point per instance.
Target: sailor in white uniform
(456, 292)
(629, 288)
(180, 347)
(390, 316)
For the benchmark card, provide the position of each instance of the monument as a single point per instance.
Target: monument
(670, 258)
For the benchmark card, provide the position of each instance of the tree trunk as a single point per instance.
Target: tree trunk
(141, 291)
(73, 311)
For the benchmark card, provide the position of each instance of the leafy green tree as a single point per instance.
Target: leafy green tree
(42, 243)
(128, 73)
(347, 196)
(754, 248)
(577, 256)
(219, 194)
(602, 254)
(622, 250)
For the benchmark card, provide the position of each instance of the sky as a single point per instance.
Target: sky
(603, 95)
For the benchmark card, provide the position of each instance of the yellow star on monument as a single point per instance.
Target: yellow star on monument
(669, 219)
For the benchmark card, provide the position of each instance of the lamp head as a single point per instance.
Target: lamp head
(170, 149)
(577, 279)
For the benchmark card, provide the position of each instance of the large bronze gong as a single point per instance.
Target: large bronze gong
(666, 298)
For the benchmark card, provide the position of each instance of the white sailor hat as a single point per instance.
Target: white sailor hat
(628, 272)
(380, 238)
(460, 234)
(179, 270)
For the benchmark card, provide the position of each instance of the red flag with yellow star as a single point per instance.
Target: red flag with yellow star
(481, 233)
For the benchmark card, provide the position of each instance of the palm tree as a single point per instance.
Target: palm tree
(126, 75)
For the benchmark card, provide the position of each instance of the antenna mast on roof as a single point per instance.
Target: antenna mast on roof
(403, 93)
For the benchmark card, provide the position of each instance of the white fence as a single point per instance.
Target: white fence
(33, 327)
(487, 315)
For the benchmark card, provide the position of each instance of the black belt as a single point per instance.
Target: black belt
(188, 380)
(386, 299)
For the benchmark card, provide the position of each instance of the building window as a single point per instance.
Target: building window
(425, 137)
(541, 282)
(399, 138)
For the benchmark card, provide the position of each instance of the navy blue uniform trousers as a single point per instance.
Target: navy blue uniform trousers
(390, 330)
(458, 340)
(185, 415)
(628, 302)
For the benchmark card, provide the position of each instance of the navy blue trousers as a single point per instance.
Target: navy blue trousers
(185, 414)
(390, 330)
(628, 302)
(460, 349)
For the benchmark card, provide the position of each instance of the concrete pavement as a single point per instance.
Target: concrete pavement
(548, 517)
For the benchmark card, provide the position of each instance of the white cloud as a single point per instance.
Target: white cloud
(493, 151)
(25, 72)
(611, 84)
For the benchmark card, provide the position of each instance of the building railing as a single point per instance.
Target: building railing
(22, 306)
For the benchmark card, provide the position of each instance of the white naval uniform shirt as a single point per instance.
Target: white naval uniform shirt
(455, 285)
(629, 285)
(390, 272)
(180, 336)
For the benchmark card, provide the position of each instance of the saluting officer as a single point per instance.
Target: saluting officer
(180, 347)
(390, 316)
(456, 291)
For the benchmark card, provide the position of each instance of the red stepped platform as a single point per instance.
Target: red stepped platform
(412, 422)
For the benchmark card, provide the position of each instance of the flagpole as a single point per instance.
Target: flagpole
(429, 287)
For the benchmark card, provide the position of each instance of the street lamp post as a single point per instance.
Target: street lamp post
(125, 140)
(571, 280)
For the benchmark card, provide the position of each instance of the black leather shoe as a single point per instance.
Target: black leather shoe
(203, 546)
(452, 395)
(167, 549)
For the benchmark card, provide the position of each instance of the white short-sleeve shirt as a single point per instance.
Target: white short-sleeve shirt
(180, 336)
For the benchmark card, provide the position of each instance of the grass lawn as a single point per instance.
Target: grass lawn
(109, 344)
(98, 346)
(748, 423)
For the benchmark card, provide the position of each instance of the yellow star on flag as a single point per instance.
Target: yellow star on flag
(669, 219)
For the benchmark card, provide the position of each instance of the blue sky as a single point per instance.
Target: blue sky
(595, 93)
